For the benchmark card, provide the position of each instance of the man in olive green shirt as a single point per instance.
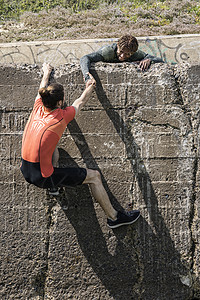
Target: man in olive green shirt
(126, 49)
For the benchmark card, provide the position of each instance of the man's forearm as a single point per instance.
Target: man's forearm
(86, 60)
(85, 66)
(82, 100)
(154, 59)
(44, 81)
(140, 55)
(46, 68)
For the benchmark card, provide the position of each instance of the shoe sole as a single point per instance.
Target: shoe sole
(54, 193)
(122, 224)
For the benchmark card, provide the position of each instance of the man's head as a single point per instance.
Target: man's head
(52, 96)
(126, 46)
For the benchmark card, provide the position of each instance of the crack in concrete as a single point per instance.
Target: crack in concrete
(13, 109)
(50, 203)
(176, 76)
(192, 215)
(50, 206)
(167, 125)
(189, 113)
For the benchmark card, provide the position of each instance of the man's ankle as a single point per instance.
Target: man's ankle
(113, 217)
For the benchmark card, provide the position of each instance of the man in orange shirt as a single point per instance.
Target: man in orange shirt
(43, 130)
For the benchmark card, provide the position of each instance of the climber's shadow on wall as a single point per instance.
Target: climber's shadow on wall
(131, 264)
(114, 266)
(110, 268)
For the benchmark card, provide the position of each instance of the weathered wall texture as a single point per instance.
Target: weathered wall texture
(172, 49)
(142, 131)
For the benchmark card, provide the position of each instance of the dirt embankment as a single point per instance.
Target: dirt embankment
(106, 21)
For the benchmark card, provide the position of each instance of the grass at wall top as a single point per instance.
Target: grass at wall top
(28, 20)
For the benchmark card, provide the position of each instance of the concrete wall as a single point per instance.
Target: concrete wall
(172, 49)
(141, 130)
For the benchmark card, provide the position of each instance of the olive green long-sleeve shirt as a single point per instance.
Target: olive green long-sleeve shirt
(109, 54)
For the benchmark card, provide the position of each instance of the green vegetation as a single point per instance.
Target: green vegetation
(15, 8)
(195, 9)
(26, 20)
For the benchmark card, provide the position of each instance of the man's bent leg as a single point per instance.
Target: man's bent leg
(55, 158)
(93, 178)
(77, 176)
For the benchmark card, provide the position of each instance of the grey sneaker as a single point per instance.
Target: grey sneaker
(53, 191)
(124, 218)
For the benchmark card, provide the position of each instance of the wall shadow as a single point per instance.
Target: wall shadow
(145, 263)
(166, 264)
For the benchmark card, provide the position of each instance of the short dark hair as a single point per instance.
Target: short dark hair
(128, 41)
(52, 94)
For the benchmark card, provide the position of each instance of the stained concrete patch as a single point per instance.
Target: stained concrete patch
(140, 129)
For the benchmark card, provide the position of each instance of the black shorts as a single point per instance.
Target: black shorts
(62, 177)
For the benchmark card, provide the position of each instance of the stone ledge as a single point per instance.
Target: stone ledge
(173, 49)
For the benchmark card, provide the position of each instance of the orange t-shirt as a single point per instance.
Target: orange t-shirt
(42, 133)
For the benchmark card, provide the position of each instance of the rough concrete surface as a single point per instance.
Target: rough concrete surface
(141, 130)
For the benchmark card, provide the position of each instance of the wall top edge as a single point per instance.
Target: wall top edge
(37, 43)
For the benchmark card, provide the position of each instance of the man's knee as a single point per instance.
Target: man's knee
(93, 176)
